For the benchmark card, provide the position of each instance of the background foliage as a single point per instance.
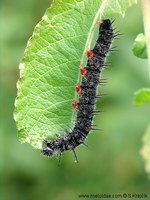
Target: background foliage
(117, 165)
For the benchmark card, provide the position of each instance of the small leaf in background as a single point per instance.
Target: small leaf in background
(145, 152)
(49, 69)
(142, 96)
(139, 46)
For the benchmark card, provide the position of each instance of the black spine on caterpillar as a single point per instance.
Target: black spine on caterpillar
(87, 94)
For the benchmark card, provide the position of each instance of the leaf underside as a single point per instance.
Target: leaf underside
(49, 69)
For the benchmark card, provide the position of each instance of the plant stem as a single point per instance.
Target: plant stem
(146, 19)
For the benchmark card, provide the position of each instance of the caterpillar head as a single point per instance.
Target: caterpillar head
(47, 151)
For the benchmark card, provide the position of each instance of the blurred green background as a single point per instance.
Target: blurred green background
(113, 163)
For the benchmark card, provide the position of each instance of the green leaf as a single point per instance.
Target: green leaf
(49, 69)
(145, 152)
(139, 46)
(142, 96)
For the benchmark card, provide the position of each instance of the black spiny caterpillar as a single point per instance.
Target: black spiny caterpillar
(87, 94)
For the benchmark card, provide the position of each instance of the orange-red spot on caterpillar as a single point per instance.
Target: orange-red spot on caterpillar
(78, 88)
(100, 22)
(75, 105)
(89, 53)
(83, 71)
